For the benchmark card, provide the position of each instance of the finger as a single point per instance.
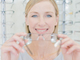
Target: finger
(7, 49)
(21, 34)
(25, 40)
(72, 49)
(62, 36)
(21, 45)
(16, 38)
(16, 46)
(65, 40)
(67, 44)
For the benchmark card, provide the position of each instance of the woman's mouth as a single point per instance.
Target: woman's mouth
(41, 31)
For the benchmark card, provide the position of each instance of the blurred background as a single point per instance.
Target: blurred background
(12, 18)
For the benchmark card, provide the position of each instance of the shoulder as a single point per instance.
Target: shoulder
(24, 56)
(59, 57)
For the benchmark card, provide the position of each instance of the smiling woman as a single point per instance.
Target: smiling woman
(42, 18)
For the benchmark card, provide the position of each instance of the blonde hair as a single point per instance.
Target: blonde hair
(31, 3)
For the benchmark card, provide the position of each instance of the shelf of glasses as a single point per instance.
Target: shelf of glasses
(8, 35)
(67, 8)
(66, 22)
(68, 15)
(77, 32)
(77, 22)
(77, 4)
(69, 32)
(62, 1)
(8, 12)
(66, 12)
(25, 2)
(8, 23)
(69, 22)
(9, 2)
(66, 32)
(77, 14)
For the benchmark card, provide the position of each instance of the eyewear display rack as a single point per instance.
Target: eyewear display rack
(3, 21)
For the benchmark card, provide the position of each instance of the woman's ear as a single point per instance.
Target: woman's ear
(26, 20)
(57, 19)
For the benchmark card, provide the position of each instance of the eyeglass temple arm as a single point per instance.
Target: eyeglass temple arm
(27, 46)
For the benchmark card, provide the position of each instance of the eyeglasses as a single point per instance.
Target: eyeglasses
(69, 22)
(75, 32)
(77, 4)
(8, 23)
(42, 38)
(8, 12)
(25, 2)
(77, 13)
(8, 2)
(66, 32)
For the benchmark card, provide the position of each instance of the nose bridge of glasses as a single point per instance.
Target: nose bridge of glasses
(40, 36)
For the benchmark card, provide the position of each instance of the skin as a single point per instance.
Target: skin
(70, 49)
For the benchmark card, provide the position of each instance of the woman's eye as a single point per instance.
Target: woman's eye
(34, 16)
(49, 16)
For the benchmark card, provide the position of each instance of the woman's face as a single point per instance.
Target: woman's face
(41, 18)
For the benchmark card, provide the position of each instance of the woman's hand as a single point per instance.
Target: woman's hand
(70, 49)
(10, 49)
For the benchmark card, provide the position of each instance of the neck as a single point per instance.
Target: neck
(42, 49)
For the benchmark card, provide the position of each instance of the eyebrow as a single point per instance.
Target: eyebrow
(49, 12)
(33, 12)
(45, 12)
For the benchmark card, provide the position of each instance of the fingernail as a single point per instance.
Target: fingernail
(62, 46)
(23, 51)
(67, 52)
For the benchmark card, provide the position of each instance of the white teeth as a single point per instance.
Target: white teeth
(41, 30)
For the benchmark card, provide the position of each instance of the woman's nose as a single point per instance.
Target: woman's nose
(42, 22)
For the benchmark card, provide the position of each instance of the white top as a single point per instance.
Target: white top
(26, 56)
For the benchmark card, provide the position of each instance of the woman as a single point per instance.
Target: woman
(41, 17)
